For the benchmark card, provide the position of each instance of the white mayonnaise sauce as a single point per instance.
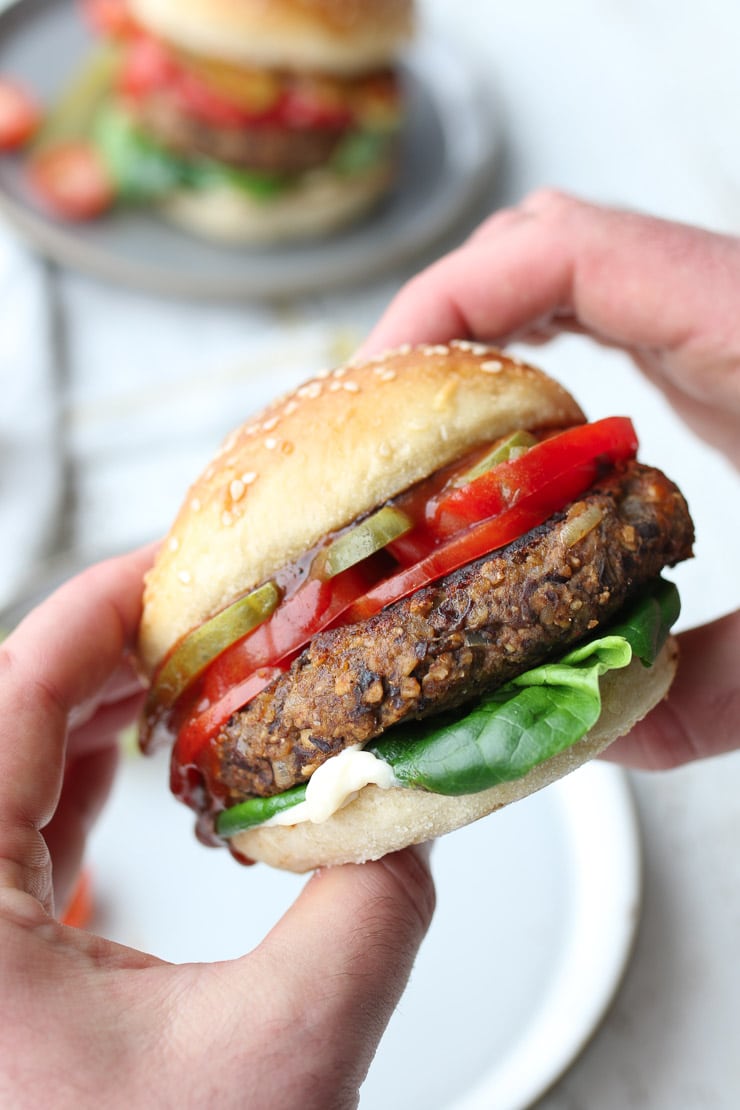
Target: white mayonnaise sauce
(335, 783)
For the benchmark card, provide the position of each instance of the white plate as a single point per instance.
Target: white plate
(537, 910)
(448, 154)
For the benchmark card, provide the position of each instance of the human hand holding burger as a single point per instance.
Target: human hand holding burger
(92, 1023)
(665, 293)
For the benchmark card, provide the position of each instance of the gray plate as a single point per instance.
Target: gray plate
(448, 155)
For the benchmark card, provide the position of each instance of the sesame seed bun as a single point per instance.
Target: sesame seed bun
(315, 460)
(381, 821)
(321, 203)
(338, 36)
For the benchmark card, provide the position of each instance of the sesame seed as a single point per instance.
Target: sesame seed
(270, 424)
(185, 577)
(335, 387)
(174, 543)
(195, 504)
(339, 372)
(249, 477)
(311, 390)
(351, 387)
(226, 519)
(387, 375)
(321, 374)
(236, 489)
(404, 349)
(493, 366)
(290, 408)
(271, 443)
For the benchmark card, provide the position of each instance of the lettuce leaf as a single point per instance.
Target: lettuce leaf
(143, 170)
(508, 732)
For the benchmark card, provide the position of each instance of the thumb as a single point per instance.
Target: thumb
(700, 715)
(331, 973)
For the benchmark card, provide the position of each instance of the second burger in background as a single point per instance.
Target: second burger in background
(248, 121)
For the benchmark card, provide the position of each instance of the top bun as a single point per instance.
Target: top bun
(313, 461)
(338, 36)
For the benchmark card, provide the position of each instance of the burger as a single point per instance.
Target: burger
(415, 590)
(247, 121)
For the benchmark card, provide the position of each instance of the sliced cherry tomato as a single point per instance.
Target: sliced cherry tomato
(611, 439)
(72, 181)
(20, 115)
(109, 17)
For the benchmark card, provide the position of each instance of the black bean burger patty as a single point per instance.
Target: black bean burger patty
(465, 634)
(271, 149)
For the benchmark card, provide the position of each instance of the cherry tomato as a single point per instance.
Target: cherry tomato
(72, 181)
(20, 115)
(109, 17)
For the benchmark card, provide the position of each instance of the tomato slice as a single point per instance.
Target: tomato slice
(72, 181)
(20, 115)
(200, 727)
(524, 496)
(612, 439)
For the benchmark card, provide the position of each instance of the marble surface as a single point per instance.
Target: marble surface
(112, 399)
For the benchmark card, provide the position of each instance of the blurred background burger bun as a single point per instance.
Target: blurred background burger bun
(336, 36)
(333, 150)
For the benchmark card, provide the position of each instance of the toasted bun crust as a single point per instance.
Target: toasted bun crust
(323, 203)
(313, 461)
(339, 36)
(382, 821)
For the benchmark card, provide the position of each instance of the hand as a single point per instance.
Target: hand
(665, 293)
(89, 1022)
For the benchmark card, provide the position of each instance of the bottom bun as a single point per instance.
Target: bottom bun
(381, 821)
(322, 203)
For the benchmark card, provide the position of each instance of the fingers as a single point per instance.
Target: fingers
(330, 975)
(86, 786)
(700, 716)
(662, 290)
(56, 660)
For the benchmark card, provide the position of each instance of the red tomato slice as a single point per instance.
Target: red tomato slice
(20, 115)
(72, 181)
(199, 728)
(612, 439)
